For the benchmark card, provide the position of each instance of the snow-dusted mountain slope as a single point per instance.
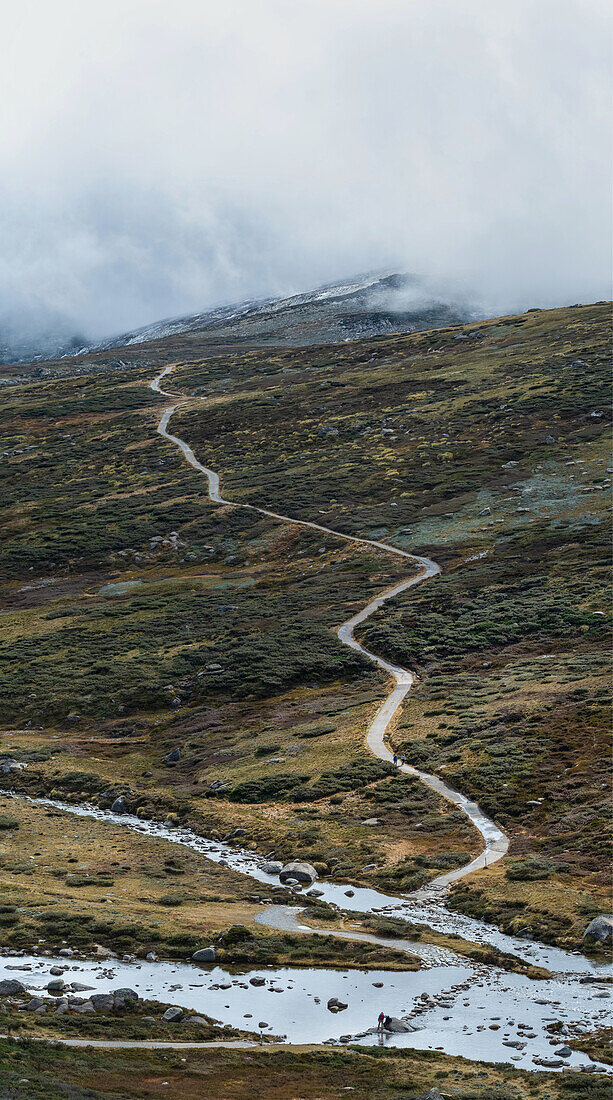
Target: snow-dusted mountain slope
(368, 305)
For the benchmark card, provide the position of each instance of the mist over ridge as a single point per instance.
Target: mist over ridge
(160, 162)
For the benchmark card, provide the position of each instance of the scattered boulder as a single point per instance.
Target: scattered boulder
(57, 971)
(10, 987)
(120, 996)
(273, 868)
(431, 1094)
(197, 1021)
(102, 953)
(204, 955)
(103, 1002)
(119, 806)
(173, 1015)
(334, 1005)
(563, 1052)
(173, 757)
(56, 985)
(35, 1004)
(600, 929)
(300, 872)
(257, 981)
(396, 1025)
(86, 1008)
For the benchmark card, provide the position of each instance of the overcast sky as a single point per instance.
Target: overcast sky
(159, 157)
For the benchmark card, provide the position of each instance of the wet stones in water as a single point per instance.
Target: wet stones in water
(395, 1025)
(257, 981)
(263, 1024)
(119, 806)
(334, 1005)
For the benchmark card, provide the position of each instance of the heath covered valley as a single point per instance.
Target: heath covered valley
(213, 791)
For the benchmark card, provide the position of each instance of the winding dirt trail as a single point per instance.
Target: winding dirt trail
(496, 842)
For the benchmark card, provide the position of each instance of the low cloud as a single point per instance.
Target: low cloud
(160, 158)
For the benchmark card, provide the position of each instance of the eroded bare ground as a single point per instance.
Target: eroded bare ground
(139, 619)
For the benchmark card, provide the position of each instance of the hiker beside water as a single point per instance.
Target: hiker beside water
(380, 1019)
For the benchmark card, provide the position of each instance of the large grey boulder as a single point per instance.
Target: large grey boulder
(396, 1025)
(301, 872)
(103, 1002)
(600, 929)
(120, 996)
(173, 757)
(119, 806)
(204, 955)
(173, 1015)
(273, 867)
(334, 1005)
(10, 987)
(56, 985)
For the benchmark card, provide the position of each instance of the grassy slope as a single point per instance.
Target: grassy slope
(486, 447)
(439, 441)
(307, 1073)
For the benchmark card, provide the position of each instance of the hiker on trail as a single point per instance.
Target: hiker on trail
(402, 759)
(395, 759)
(380, 1019)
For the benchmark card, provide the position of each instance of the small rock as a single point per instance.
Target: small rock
(334, 1005)
(173, 757)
